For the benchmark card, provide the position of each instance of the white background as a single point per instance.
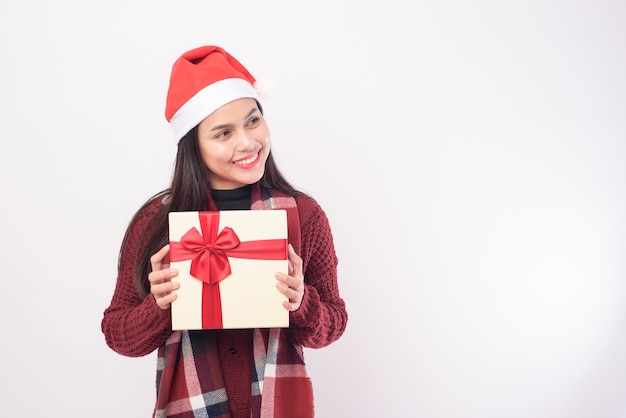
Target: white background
(470, 157)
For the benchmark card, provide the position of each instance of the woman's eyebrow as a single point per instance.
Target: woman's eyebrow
(226, 125)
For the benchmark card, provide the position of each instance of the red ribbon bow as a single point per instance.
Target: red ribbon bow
(207, 252)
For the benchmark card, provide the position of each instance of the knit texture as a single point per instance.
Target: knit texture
(136, 327)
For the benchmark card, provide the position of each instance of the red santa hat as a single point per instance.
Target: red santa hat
(203, 80)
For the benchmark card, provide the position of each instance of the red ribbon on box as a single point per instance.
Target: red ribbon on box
(209, 254)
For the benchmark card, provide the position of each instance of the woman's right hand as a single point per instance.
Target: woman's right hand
(161, 284)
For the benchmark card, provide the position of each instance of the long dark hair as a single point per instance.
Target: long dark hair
(190, 191)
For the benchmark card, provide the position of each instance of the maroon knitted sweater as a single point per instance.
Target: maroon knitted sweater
(136, 327)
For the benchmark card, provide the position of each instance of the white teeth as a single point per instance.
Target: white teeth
(247, 161)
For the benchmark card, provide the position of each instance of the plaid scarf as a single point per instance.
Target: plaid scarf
(189, 379)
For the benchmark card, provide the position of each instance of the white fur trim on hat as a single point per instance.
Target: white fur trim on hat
(207, 101)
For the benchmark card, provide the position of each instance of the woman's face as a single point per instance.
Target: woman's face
(234, 144)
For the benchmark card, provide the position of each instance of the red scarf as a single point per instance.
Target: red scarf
(189, 379)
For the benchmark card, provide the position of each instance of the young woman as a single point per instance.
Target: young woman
(224, 162)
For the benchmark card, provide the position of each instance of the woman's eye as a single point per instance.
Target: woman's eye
(223, 135)
(254, 121)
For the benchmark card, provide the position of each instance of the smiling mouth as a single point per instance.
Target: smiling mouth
(247, 161)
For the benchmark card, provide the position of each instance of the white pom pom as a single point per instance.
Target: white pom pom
(264, 87)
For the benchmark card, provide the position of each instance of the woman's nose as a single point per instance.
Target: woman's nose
(245, 140)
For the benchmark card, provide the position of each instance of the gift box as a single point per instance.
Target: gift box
(226, 263)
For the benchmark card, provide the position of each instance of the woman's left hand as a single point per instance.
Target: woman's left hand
(292, 285)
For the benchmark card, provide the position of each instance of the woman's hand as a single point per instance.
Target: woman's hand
(292, 285)
(161, 284)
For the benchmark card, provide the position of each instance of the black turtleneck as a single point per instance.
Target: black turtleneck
(235, 199)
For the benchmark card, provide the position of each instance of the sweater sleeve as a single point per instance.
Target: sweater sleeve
(134, 326)
(322, 316)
